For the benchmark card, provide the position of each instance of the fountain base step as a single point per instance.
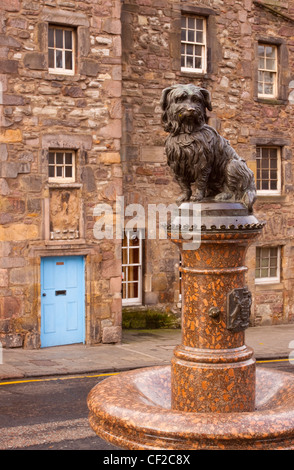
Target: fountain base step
(132, 410)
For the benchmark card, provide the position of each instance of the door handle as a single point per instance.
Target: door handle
(60, 292)
(44, 295)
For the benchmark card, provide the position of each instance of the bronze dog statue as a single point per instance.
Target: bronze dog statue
(196, 153)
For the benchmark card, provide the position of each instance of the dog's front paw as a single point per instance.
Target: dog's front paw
(197, 196)
(183, 198)
(223, 196)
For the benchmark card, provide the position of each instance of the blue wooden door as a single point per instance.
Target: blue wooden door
(62, 300)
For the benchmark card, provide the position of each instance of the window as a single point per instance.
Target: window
(132, 268)
(193, 44)
(61, 50)
(61, 166)
(268, 166)
(267, 268)
(267, 71)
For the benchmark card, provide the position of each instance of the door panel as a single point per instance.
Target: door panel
(62, 300)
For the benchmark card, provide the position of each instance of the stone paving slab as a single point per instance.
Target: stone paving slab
(138, 349)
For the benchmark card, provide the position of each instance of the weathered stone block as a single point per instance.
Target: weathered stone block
(8, 66)
(112, 26)
(35, 61)
(89, 67)
(10, 5)
(111, 334)
(10, 136)
(12, 169)
(109, 158)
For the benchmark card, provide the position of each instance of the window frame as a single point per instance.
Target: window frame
(133, 300)
(271, 192)
(204, 44)
(269, 279)
(63, 71)
(62, 179)
(275, 72)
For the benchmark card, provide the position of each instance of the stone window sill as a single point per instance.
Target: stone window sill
(64, 185)
(271, 101)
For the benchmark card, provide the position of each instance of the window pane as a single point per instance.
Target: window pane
(198, 64)
(199, 37)
(59, 62)
(59, 158)
(183, 35)
(273, 272)
(51, 37)
(124, 256)
(260, 50)
(68, 158)
(268, 89)
(199, 24)
(51, 171)
(134, 255)
(190, 62)
(59, 38)
(68, 171)
(270, 64)
(270, 51)
(191, 36)
(51, 58)
(133, 290)
(51, 158)
(189, 49)
(68, 39)
(198, 51)
(59, 171)
(268, 77)
(68, 60)
(191, 23)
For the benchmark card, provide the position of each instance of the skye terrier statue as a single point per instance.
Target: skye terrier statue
(196, 153)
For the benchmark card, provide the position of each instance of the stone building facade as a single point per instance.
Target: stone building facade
(59, 158)
(243, 53)
(80, 84)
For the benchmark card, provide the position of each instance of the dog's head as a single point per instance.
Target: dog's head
(184, 108)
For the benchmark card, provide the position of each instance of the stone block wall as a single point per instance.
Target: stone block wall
(40, 111)
(151, 62)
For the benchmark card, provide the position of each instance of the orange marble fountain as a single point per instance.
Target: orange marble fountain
(211, 396)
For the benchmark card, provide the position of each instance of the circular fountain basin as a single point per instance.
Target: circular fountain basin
(132, 410)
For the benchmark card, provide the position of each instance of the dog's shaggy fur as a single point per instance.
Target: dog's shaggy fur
(196, 153)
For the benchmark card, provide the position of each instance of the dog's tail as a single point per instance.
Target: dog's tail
(241, 182)
(248, 199)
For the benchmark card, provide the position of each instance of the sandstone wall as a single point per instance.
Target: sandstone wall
(151, 62)
(42, 111)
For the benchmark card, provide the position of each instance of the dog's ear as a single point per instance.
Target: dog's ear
(164, 95)
(163, 104)
(207, 99)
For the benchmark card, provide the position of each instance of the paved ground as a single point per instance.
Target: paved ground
(138, 349)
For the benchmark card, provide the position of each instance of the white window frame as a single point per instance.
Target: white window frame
(270, 192)
(202, 44)
(271, 279)
(133, 300)
(63, 70)
(63, 178)
(264, 70)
